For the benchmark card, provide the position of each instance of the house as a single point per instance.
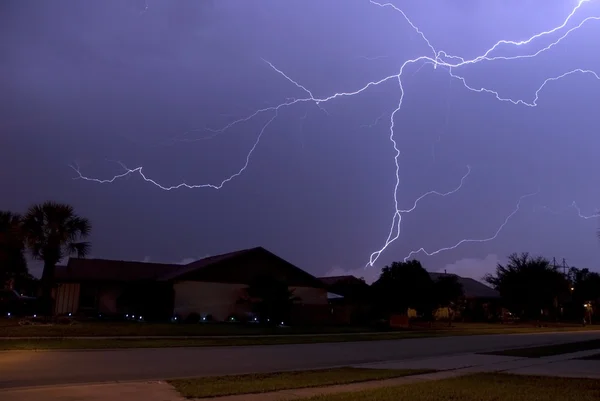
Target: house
(352, 303)
(354, 306)
(211, 287)
(480, 300)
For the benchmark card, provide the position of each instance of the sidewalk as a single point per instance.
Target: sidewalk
(450, 366)
(137, 391)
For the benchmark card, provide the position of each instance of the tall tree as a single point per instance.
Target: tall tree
(585, 289)
(401, 286)
(13, 266)
(53, 231)
(448, 293)
(528, 285)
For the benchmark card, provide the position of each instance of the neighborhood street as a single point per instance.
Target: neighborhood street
(38, 368)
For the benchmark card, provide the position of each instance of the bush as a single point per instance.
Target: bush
(192, 318)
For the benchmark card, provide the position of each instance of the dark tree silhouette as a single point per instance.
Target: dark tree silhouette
(53, 231)
(404, 285)
(529, 285)
(448, 293)
(585, 289)
(13, 265)
(271, 299)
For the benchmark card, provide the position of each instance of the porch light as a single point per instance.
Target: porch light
(8, 314)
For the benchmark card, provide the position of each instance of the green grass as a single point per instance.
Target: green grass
(549, 350)
(198, 335)
(11, 328)
(482, 387)
(263, 383)
(101, 343)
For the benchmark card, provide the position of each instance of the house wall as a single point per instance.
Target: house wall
(216, 299)
(107, 299)
(311, 296)
(221, 300)
(66, 298)
(440, 313)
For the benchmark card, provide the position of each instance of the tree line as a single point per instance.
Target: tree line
(529, 288)
(49, 232)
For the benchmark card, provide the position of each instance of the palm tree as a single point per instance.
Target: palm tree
(52, 232)
(13, 266)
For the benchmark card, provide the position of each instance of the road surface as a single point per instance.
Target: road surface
(37, 368)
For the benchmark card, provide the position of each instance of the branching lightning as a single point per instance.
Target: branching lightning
(432, 56)
(577, 209)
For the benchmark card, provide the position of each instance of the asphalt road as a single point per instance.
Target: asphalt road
(37, 368)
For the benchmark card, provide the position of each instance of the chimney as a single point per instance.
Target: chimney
(445, 271)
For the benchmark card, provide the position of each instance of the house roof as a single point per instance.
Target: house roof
(333, 280)
(471, 287)
(346, 286)
(112, 270)
(243, 267)
(214, 268)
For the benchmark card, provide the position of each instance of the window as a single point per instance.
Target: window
(88, 296)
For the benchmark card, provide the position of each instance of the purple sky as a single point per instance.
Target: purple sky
(94, 82)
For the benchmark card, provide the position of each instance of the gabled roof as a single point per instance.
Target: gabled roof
(346, 280)
(112, 270)
(232, 267)
(346, 286)
(236, 267)
(471, 287)
(208, 261)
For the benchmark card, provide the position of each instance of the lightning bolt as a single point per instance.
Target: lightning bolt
(466, 241)
(577, 209)
(434, 57)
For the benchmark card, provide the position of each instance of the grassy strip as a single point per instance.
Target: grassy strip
(482, 387)
(110, 343)
(549, 350)
(101, 343)
(263, 383)
(11, 328)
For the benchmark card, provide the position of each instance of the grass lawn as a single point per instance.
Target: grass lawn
(482, 387)
(549, 350)
(220, 334)
(262, 383)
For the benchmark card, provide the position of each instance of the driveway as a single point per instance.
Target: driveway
(35, 368)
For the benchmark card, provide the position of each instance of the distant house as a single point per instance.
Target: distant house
(353, 306)
(352, 303)
(210, 286)
(480, 300)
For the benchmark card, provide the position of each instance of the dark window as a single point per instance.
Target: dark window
(88, 296)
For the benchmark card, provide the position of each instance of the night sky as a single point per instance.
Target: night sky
(96, 83)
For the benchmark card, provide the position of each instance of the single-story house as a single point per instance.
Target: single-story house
(211, 287)
(352, 303)
(354, 306)
(480, 299)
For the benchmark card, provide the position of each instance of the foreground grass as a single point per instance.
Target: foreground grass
(11, 328)
(196, 339)
(482, 387)
(263, 383)
(549, 350)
